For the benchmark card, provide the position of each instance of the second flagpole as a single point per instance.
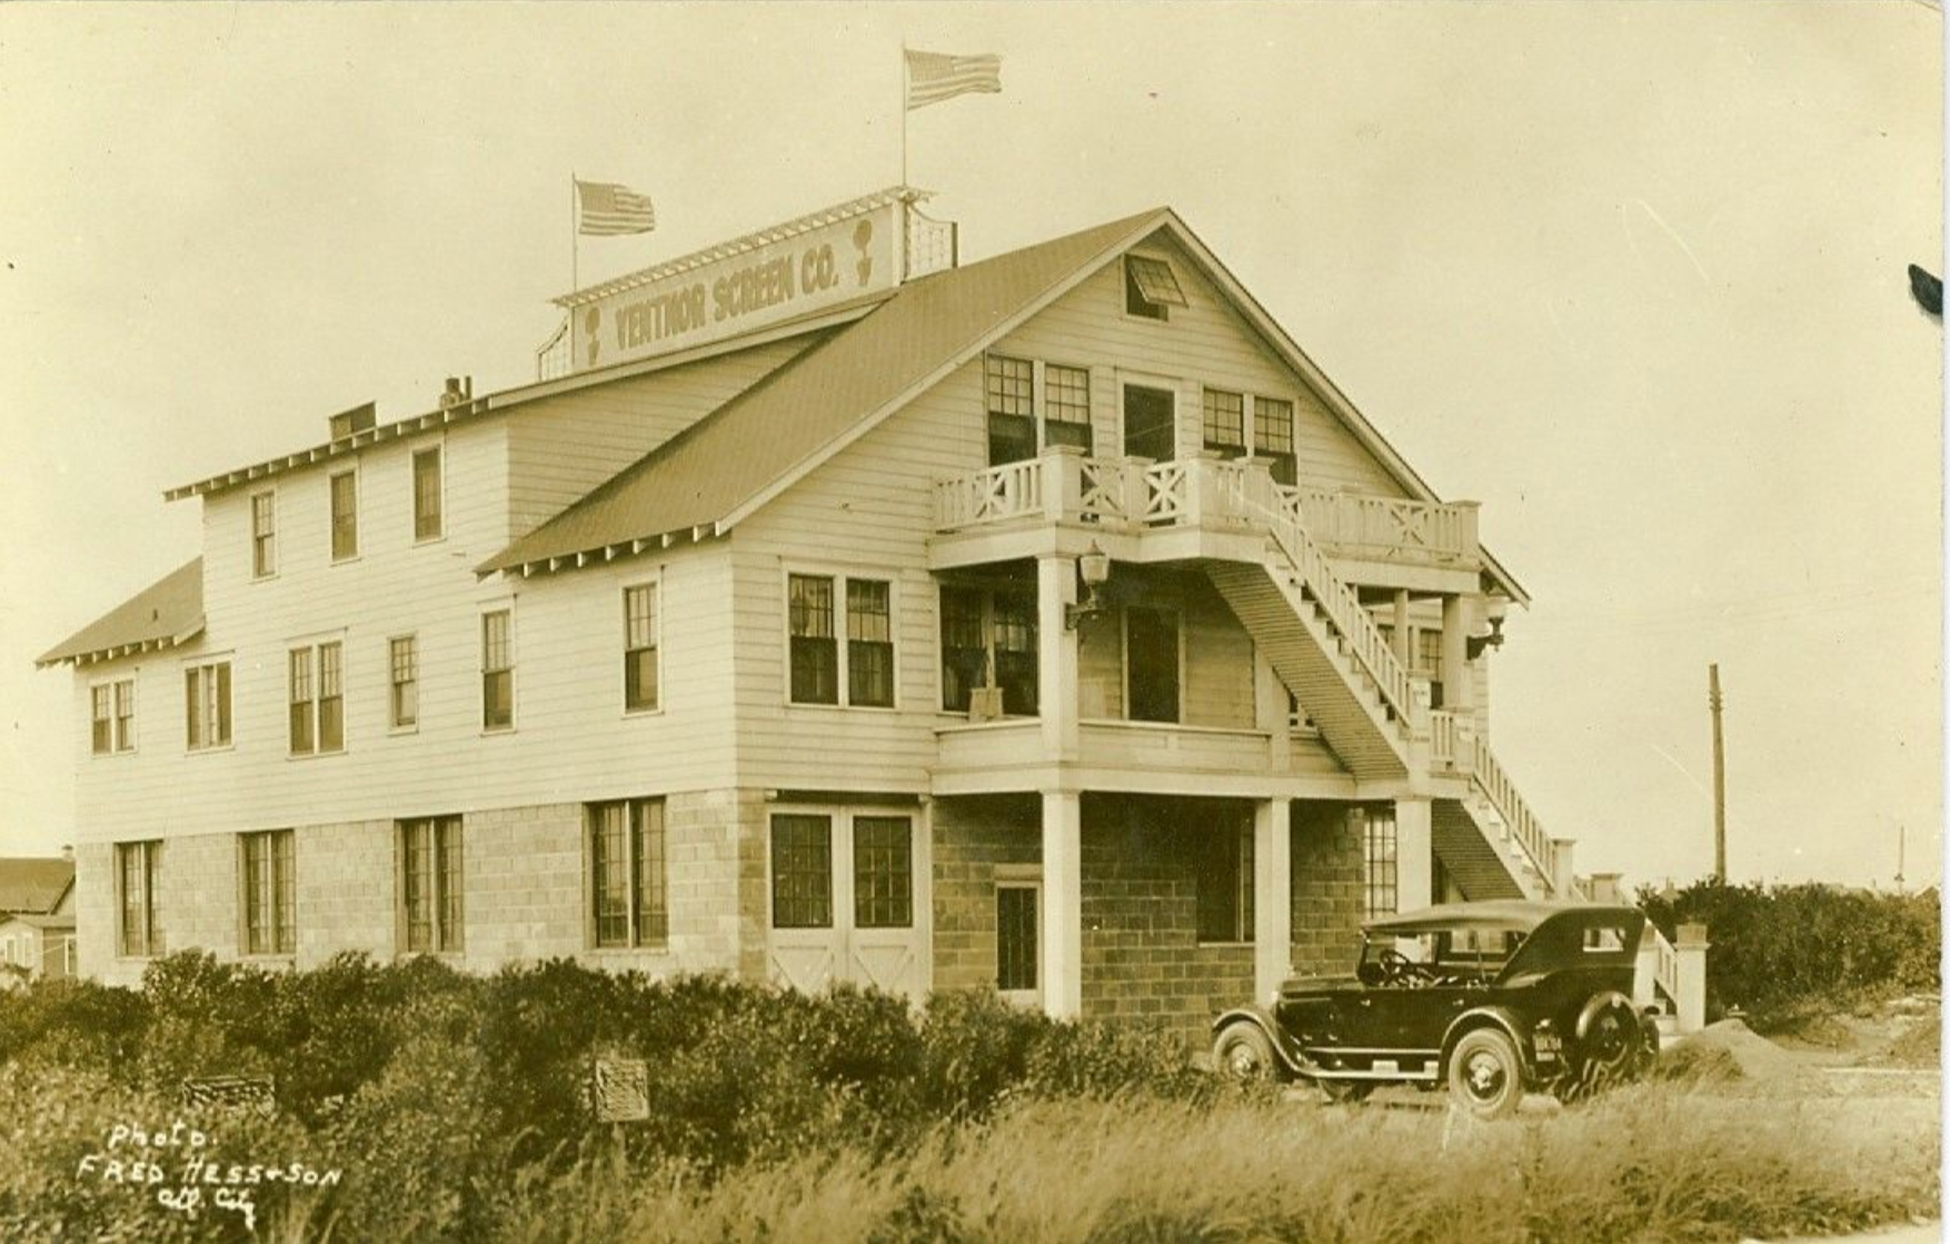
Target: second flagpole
(903, 105)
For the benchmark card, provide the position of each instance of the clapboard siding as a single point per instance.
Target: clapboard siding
(572, 740)
(1205, 344)
(559, 448)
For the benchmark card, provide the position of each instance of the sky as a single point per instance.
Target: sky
(1632, 275)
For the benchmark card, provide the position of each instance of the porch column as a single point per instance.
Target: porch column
(1270, 712)
(1062, 932)
(1272, 895)
(1398, 636)
(1056, 657)
(1458, 686)
(1689, 955)
(1414, 854)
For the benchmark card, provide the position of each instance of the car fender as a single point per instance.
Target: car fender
(1501, 1017)
(1597, 1004)
(1262, 1019)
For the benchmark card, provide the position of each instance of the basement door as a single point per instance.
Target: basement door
(843, 901)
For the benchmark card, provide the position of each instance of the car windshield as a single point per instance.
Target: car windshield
(1459, 954)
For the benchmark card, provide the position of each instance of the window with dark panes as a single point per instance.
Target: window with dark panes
(814, 653)
(1149, 426)
(403, 656)
(112, 716)
(1222, 861)
(102, 725)
(1151, 653)
(206, 696)
(345, 515)
(1009, 385)
(270, 893)
(431, 886)
(317, 699)
(125, 715)
(264, 534)
(629, 879)
(964, 648)
(1225, 422)
(802, 872)
(139, 929)
(1066, 407)
(883, 872)
(1428, 661)
(869, 644)
(1015, 937)
(1273, 437)
(640, 647)
(1382, 875)
(331, 697)
(497, 671)
(303, 704)
(427, 501)
(1014, 629)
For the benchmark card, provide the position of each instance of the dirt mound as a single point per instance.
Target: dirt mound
(1920, 1044)
(1731, 1053)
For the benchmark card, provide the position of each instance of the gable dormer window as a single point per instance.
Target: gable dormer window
(1150, 288)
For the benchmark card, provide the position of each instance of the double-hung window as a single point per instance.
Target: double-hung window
(640, 648)
(317, 699)
(1225, 423)
(1273, 437)
(403, 660)
(822, 667)
(428, 520)
(264, 534)
(138, 926)
(1010, 386)
(1066, 406)
(270, 880)
(345, 515)
(988, 638)
(112, 709)
(206, 698)
(628, 882)
(497, 670)
(430, 884)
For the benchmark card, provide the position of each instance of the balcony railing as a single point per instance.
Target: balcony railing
(1386, 528)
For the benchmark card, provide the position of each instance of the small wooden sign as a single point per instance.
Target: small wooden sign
(257, 1093)
(622, 1090)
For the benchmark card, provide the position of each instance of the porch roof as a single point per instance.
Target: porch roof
(167, 612)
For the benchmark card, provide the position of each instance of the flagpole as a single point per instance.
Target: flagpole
(903, 111)
(575, 241)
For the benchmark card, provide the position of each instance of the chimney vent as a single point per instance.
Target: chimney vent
(348, 423)
(459, 392)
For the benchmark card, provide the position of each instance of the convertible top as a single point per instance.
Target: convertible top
(1511, 915)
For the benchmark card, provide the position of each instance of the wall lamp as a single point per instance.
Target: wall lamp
(1476, 643)
(1094, 567)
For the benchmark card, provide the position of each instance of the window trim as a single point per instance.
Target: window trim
(840, 575)
(482, 613)
(1172, 385)
(1124, 658)
(655, 582)
(153, 943)
(313, 647)
(279, 885)
(988, 592)
(199, 664)
(437, 878)
(393, 724)
(259, 575)
(439, 446)
(351, 472)
(635, 942)
(119, 744)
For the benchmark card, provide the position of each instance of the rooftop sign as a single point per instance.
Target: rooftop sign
(765, 278)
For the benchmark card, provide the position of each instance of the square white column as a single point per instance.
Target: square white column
(1414, 854)
(1062, 931)
(1272, 895)
(1056, 657)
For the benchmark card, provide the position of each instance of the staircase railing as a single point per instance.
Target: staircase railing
(1509, 803)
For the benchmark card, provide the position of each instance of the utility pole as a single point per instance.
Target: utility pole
(1714, 702)
(1902, 844)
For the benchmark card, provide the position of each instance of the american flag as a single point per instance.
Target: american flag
(609, 209)
(935, 76)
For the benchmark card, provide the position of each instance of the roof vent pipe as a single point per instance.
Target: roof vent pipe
(459, 392)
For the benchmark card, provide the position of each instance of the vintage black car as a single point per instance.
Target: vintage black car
(1491, 999)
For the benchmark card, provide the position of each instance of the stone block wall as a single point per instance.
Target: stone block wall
(1328, 885)
(971, 837)
(343, 887)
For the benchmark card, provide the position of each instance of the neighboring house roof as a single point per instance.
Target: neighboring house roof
(52, 924)
(167, 612)
(34, 885)
(812, 407)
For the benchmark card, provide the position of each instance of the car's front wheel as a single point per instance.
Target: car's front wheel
(1486, 1074)
(1242, 1052)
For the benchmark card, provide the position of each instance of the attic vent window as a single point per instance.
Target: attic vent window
(1150, 288)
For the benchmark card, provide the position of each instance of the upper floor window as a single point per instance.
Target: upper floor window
(206, 697)
(1066, 406)
(820, 665)
(264, 534)
(1150, 288)
(1222, 865)
(138, 926)
(1225, 423)
(403, 658)
(1150, 423)
(317, 699)
(640, 647)
(1151, 662)
(430, 884)
(428, 486)
(869, 643)
(270, 885)
(497, 671)
(1273, 437)
(112, 709)
(1011, 392)
(628, 885)
(345, 515)
(988, 639)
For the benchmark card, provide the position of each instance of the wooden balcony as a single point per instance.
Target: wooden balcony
(1151, 757)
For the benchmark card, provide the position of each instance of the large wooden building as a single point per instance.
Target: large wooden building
(827, 610)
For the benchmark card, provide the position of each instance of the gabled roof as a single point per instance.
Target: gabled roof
(48, 923)
(813, 406)
(34, 884)
(166, 613)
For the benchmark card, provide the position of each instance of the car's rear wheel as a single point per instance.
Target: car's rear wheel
(1242, 1052)
(1612, 1051)
(1486, 1074)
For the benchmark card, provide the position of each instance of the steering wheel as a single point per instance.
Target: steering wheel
(1396, 967)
